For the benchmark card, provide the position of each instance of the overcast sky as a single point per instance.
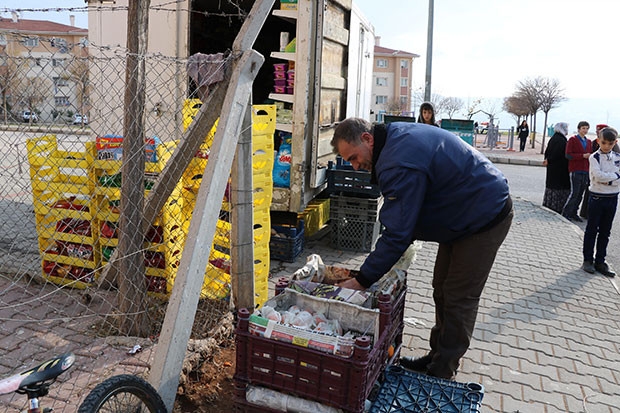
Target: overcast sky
(482, 48)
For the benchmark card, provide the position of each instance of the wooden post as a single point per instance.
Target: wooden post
(181, 310)
(242, 237)
(132, 285)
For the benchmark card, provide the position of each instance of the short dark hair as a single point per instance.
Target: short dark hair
(608, 134)
(582, 123)
(350, 130)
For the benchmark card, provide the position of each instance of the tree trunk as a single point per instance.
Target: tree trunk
(132, 282)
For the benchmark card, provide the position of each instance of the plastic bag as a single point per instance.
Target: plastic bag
(282, 164)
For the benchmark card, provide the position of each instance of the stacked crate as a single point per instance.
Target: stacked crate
(295, 369)
(163, 241)
(62, 187)
(217, 278)
(263, 128)
(355, 222)
(354, 208)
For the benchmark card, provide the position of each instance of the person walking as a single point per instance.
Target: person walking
(435, 188)
(578, 150)
(426, 114)
(604, 188)
(557, 181)
(523, 132)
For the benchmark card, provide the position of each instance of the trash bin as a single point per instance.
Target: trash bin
(462, 128)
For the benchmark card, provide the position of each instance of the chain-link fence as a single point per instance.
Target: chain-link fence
(62, 120)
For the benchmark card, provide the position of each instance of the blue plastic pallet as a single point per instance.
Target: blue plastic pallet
(406, 391)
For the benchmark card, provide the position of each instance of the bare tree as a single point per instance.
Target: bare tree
(551, 95)
(529, 91)
(451, 105)
(473, 107)
(7, 76)
(78, 73)
(393, 106)
(517, 107)
(32, 91)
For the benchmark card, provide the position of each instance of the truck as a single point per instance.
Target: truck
(330, 48)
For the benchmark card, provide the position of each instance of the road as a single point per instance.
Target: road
(528, 182)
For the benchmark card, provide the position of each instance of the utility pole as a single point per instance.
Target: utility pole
(429, 51)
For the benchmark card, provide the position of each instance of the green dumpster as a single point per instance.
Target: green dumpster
(462, 128)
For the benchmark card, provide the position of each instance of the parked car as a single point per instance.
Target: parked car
(28, 116)
(80, 119)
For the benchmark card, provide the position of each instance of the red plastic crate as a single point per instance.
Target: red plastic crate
(344, 383)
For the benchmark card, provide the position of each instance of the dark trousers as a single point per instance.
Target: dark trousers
(522, 143)
(460, 273)
(601, 212)
(579, 182)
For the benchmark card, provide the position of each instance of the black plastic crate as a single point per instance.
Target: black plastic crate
(363, 209)
(354, 234)
(342, 178)
(406, 391)
(289, 245)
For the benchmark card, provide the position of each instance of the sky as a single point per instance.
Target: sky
(483, 48)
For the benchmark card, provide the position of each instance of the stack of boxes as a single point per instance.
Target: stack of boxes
(284, 78)
(354, 208)
(77, 208)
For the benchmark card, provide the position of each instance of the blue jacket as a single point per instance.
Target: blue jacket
(435, 186)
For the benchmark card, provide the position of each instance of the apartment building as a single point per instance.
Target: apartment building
(40, 69)
(391, 81)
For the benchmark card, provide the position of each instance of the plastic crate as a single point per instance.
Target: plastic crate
(354, 235)
(344, 383)
(363, 209)
(406, 391)
(342, 178)
(288, 247)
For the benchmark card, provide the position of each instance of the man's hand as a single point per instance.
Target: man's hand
(351, 284)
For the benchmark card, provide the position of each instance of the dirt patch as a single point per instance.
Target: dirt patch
(211, 387)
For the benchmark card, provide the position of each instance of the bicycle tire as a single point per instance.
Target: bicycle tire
(123, 393)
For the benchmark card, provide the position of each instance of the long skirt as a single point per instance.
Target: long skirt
(555, 199)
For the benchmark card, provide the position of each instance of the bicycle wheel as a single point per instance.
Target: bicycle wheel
(123, 393)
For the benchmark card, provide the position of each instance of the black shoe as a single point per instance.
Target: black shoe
(603, 268)
(576, 219)
(419, 364)
(588, 266)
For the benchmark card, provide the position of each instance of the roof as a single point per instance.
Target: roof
(40, 26)
(384, 51)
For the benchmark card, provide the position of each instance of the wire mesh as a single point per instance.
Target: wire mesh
(61, 145)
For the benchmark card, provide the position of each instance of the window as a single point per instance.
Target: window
(403, 81)
(61, 101)
(59, 81)
(382, 81)
(404, 64)
(403, 101)
(381, 100)
(382, 63)
(60, 44)
(31, 42)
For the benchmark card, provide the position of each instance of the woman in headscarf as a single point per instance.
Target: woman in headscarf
(557, 184)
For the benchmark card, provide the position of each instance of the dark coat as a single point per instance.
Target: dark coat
(523, 131)
(557, 164)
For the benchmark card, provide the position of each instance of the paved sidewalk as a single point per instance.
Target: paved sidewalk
(547, 333)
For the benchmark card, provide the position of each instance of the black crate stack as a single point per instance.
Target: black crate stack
(354, 208)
